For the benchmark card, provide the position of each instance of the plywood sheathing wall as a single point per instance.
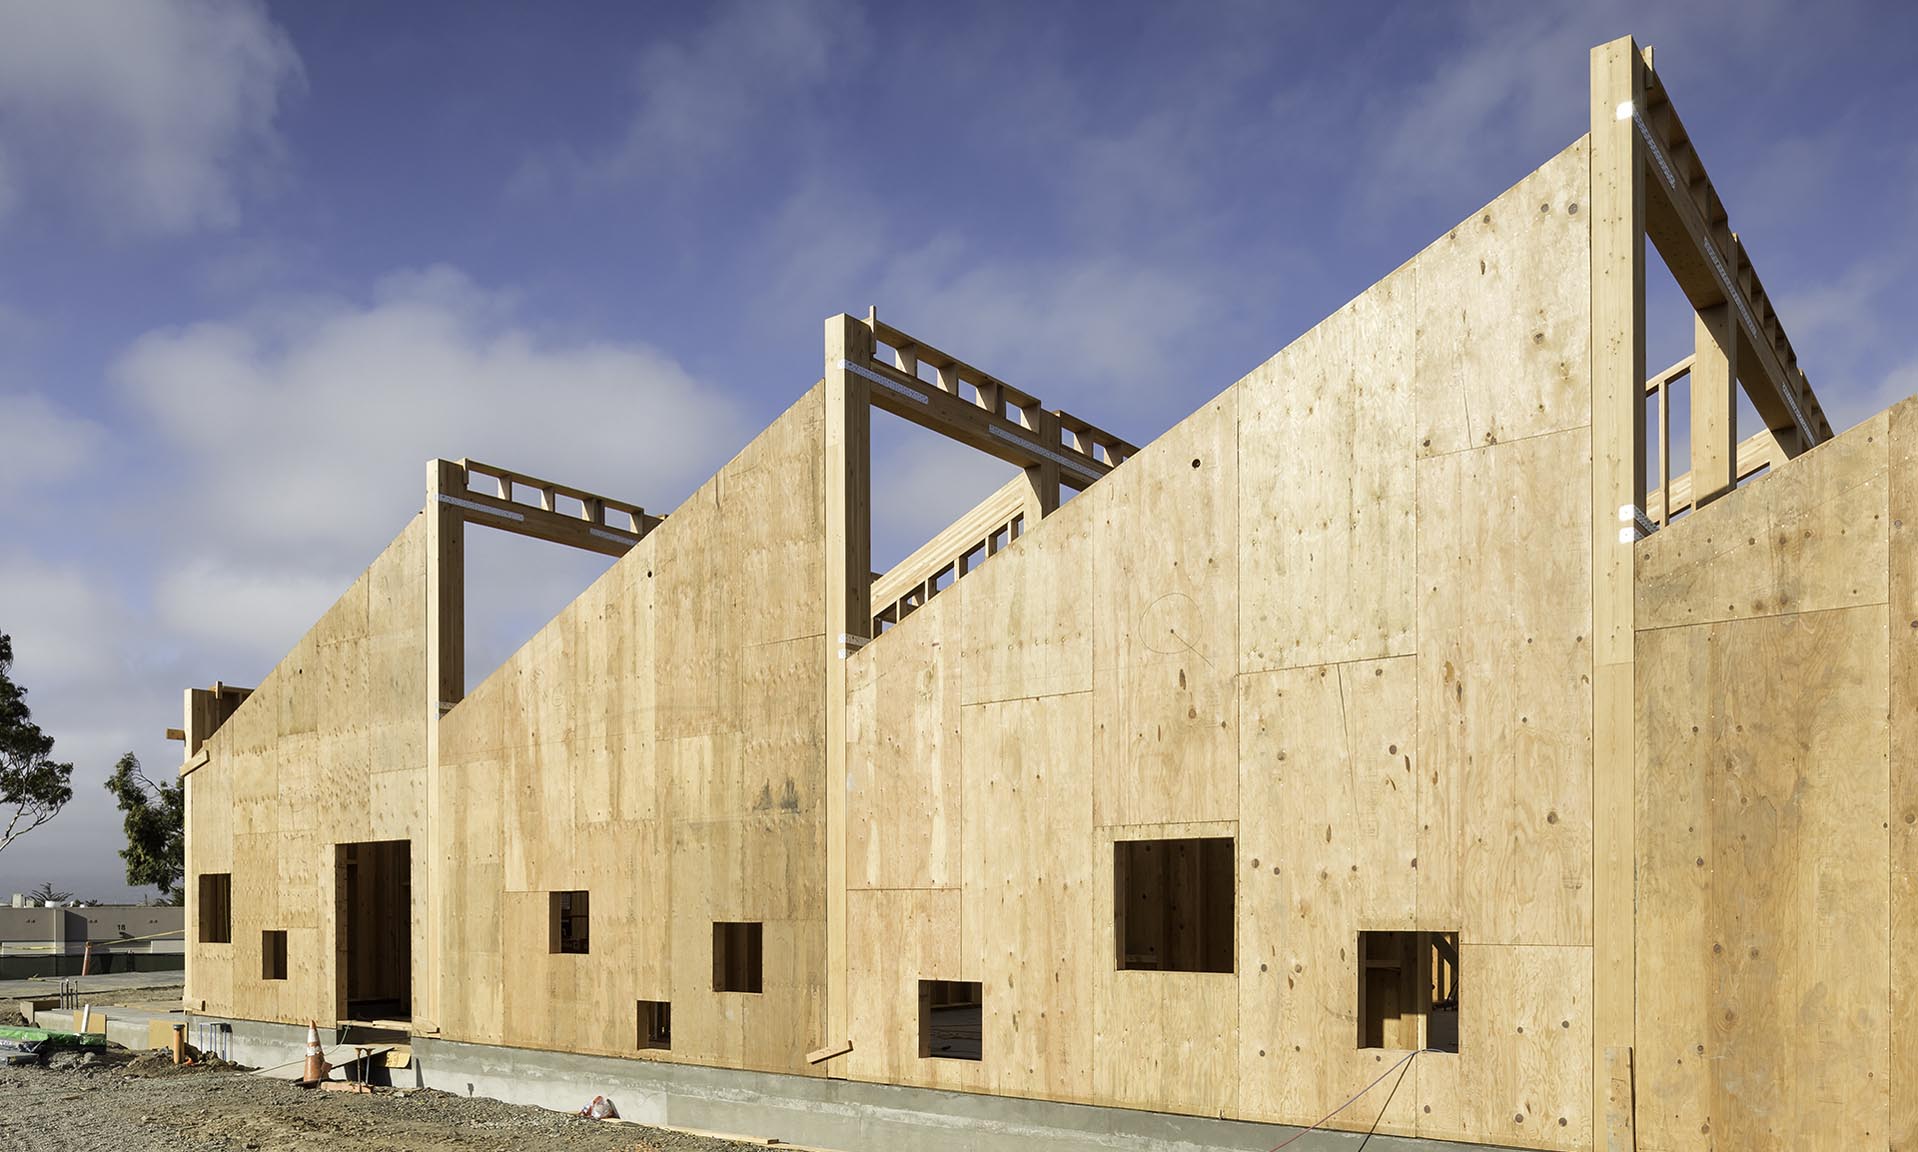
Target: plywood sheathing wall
(1342, 614)
(330, 748)
(1778, 704)
(659, 745)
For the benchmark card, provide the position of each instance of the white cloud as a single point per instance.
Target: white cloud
(1514, 94)
(298, 437)
(65, 625)
(1901, 383)
(148, 112)
(310, 424)
(698, 101)
(246, 609)
(97, 684)
(43, 444)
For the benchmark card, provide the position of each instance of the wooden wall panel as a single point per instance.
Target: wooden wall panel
(1028, 626)
(1523, 1073)
(1328, 838)
(1676, 1034)
(1031, 935)
(1902, 590)
(906, 796)
(1326, 532)
(659, 746)
(1792, 719)
(1809, 538)
(1803, 845)
(1166, 628)
(900, 937)
(1306, 552)
(1504, 316)
(1773, 864)
(1162, 1040)
(1504, 674)
(329, 748)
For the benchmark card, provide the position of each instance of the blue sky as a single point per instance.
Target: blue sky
(259, 262)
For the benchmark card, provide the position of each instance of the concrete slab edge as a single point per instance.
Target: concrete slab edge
(810, 1111)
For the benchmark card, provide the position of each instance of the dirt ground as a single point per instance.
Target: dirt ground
(83, 1103)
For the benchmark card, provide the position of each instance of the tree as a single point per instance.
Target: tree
(47, 892)
(155, 827)
(33, 788)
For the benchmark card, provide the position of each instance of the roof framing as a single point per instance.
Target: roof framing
(1687, 222)
(487, 494)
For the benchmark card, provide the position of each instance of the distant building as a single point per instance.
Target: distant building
(58, 941)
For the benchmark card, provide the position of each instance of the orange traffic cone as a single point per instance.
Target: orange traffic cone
(316, 1065)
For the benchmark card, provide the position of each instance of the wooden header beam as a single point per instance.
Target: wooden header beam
(976, 408)
(601, 524)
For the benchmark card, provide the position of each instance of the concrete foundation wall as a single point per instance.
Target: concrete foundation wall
(802, 1110)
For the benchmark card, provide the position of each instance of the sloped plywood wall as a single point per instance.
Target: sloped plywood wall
(1778, 703)
(660, 746)
(1341, 614)
(330, 748)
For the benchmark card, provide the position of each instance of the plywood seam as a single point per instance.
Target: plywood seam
(1338, 664)
(1028, 696)
(757, 644)
(1720, 620)
(1170, 824)
(1499, 443)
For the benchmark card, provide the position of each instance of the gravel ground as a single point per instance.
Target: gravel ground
(79, 1103)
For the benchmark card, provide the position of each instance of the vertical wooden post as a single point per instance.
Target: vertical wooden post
(1042, 479)
(445, 686)
(194, 726)
(1621, 1101)
(848, 596)
(1715, 405)
(1661, 512)
(1618, 492)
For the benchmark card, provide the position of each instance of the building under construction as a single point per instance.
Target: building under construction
(1395, 719)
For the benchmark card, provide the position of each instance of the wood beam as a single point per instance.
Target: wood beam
(1755, 453)
(848, 616)
(1042, 479)
(1618, 181)
(1686, 221)
(445, 687)
(977, 408)
(604, 525)
(953, 543)
(1714, 454)
(910, 398)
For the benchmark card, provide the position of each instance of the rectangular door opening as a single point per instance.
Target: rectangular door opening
(374, 918)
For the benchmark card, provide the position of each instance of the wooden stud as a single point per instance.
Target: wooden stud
(1714, 387)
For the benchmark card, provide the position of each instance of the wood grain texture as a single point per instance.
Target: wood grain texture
(330, 748)
(1801, 539)
(1773, 858)
(1792, 933)
(660, 746)
(1902, 624)
(1326, 481)
(1165, 644)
